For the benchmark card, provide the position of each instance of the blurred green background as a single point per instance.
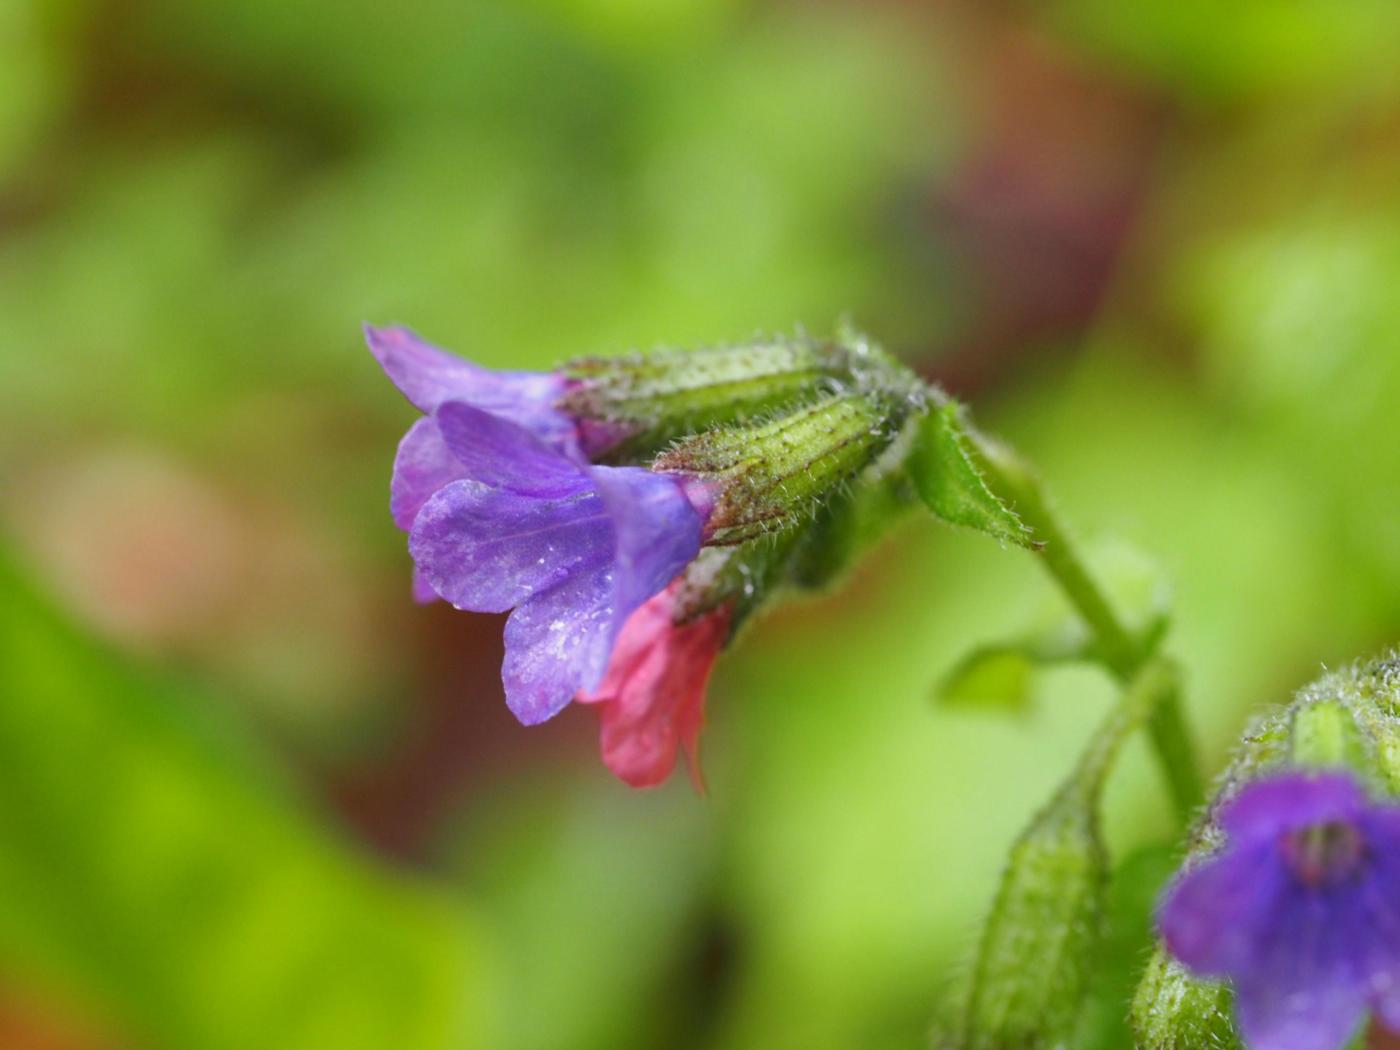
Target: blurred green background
(251, 796)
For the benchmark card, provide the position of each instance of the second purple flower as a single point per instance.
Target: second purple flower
(1301, 911)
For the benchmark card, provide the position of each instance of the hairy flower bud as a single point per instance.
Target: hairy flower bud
(634, 405)
(776, 474)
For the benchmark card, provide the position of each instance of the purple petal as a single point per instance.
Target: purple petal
(487, 549)
(497, 452)
(659, 531)
(1302, 991)
(1210, 916)
(423, 465)
(428, 376)
(555, 643)
(423, 592)
(1267, 808)
(1378, 897)
(1308, 1019)
(559, 642)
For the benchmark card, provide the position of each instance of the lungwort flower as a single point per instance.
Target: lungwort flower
(572, 549)
(504, 514)
(508, 509)
(1301, 910)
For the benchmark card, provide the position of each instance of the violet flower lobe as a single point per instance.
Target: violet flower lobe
(1301, 910)
(572, 549)
(428, 376)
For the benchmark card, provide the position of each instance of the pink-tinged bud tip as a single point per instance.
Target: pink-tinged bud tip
(651, 702)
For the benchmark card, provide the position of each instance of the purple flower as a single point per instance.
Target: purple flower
(504, 513)
(513, 523)
(1301, 910)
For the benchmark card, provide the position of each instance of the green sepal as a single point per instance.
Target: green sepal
(1325, 734)
(949, 481)
(742, 576)
(1370, 692)
(852, 522)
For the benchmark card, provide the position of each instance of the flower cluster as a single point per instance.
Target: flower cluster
(1300, 910)
(539, 494)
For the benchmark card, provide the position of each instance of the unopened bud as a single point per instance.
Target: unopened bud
(768, 477)
(631, 406)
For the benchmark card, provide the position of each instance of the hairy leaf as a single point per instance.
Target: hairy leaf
(948, 480)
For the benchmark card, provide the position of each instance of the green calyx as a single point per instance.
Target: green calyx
(775, 475)
(742, 576)
(804, 555)
(647, 401)
(781, 424)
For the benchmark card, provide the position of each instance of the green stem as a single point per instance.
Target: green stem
(1122, 650)
(1143, 695)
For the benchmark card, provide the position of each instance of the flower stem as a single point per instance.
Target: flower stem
(1122, 651)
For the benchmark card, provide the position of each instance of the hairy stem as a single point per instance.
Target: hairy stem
(1124, 653)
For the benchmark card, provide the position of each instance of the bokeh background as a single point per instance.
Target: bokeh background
(251, 796)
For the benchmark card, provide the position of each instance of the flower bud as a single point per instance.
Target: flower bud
(768, 477)
(631, 406)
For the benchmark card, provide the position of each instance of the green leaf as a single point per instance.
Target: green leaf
(1051, 905)
(158, 874)
(1001, 675)
(1049, 908)
(992, 676)
(951, 485)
